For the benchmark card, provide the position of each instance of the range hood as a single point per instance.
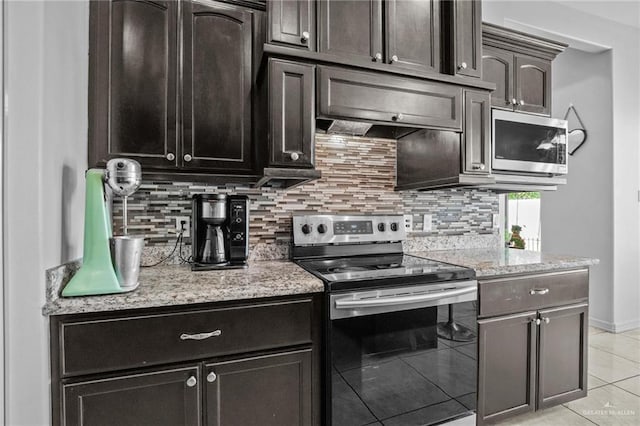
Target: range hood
(283, 178)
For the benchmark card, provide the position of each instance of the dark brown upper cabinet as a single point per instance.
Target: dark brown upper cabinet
(519, 65)
(132, 82)
(533, 84)
(477, 133)
(412, 34)
(497, 67)
(291, 114)
(467, 27)
(292, 22)
(177, 93)
(351, 29)
(217, 87)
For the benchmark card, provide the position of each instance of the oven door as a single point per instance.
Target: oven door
(403, 356)
(529, 143)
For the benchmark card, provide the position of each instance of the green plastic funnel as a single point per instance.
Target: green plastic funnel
(96, 276)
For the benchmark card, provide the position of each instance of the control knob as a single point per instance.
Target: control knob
(394, 226)
(381, 227)
(322, 228)
(306, 229)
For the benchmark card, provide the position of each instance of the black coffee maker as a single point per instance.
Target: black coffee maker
(219, 231)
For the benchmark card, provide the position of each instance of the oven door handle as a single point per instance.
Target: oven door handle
(401, 300)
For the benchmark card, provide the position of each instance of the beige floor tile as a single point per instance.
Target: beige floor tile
(594, 382)
(618, 344)
(550, 417)
(609, 405)
(630, 385)
(609, 367)
(595, 330)
(633, 333)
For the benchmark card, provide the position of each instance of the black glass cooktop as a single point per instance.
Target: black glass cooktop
(364, 271)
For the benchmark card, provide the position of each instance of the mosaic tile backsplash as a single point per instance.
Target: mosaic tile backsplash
(358, 176)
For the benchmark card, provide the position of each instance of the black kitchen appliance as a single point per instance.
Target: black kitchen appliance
(219, 231)
(386, 361)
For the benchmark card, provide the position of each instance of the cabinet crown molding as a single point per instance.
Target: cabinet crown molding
(520, 42)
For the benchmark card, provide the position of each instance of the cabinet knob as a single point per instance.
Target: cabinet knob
(170, 156)
(187, 157)
(398, 117)
(378, 57)
(394, 58)
(463, 66)
(536, 321)
(478, 167)
(211, 377)
(521, 102)
(305, 36)
(514, 101)
(546, 320)
(191, 381)
(294, 156)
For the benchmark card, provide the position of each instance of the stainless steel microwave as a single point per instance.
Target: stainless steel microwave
(529, 143)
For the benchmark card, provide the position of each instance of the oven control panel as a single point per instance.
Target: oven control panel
(337, 229)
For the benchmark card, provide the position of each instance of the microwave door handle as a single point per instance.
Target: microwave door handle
(400, 300)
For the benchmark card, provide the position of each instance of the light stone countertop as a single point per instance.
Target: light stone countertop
(489, 262)
(172, 285)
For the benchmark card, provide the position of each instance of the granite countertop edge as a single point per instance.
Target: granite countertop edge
(174, 285)
(497, 262)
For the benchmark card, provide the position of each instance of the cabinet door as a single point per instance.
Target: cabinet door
(497, 68)
(217, 87)
(506, 366)
(562, 368)
(352, 29)
(412, 32)
(165, 397)
(468, 37)
(477, 133)
(533, 84)
(291, 113)
(292, 22)
(272, 390)
(132, 82)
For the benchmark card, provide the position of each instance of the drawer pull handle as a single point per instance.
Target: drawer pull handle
(211, 377)
(191, 381)
(200, 336)
(534, 291)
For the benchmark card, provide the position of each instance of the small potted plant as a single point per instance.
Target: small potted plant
(516, 240)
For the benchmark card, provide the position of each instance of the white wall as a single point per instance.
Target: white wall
(578, 218)
(623, 39)
(47, 45)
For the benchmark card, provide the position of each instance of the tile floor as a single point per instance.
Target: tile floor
(614, 386)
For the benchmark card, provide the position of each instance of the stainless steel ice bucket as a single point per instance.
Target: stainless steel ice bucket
(126, 252)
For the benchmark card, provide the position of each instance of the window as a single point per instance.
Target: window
(522, 220)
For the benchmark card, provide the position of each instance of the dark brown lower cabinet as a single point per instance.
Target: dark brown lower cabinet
(231, 364)
(164, 397)
(270, 390)
(506, 366)
(562, 368)
(534, 359)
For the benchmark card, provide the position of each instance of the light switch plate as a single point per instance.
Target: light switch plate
(427, 224)
(408, 222)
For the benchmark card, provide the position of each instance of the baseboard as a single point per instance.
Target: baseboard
(614, 327)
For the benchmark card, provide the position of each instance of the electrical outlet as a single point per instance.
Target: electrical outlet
(183, 223)
(408, 222)
(496, 220)
(426, 223)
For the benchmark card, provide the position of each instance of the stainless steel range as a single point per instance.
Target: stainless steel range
(400, 334)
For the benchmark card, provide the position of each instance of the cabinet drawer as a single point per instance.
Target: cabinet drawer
(514, 294)
(134, 341)
(385, 99)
